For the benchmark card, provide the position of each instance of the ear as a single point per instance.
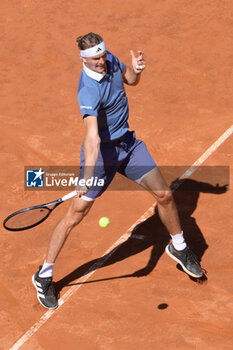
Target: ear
(83, 59)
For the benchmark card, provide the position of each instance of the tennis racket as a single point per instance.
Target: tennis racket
(32, 216)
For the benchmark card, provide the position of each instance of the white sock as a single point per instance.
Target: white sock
(46, 270)
(178, 241)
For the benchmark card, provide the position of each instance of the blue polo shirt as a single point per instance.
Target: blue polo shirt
(104, 97)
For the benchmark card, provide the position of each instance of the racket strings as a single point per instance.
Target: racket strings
(27, 218)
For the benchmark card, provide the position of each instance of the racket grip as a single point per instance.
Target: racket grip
(69, 195)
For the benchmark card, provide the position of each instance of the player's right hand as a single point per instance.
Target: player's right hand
(81, 190)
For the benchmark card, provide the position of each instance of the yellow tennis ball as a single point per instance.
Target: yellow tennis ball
(104, 222)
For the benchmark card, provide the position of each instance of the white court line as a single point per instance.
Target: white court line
(115, 246)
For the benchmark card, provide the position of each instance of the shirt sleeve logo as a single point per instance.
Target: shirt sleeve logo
(85, 107)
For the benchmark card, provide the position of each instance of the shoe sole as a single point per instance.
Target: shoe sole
(182, 265)
(34, 283)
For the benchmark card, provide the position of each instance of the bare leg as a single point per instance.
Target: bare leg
(78, 209)
(156, 185)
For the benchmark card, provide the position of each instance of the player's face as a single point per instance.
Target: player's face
(97, 63)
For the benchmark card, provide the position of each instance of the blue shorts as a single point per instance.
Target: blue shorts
(126, 155)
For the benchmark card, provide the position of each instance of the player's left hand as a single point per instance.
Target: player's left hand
(138, 63)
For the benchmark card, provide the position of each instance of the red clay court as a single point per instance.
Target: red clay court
(118, 289)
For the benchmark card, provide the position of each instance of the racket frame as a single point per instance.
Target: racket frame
(46, 205)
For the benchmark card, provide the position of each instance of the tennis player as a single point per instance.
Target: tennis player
(109, 147)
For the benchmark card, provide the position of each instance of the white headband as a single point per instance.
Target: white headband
(93, 51)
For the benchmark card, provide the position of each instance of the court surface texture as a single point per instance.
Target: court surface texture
(118, 289)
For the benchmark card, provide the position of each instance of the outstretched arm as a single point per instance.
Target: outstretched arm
(91, 149)
(131, 76)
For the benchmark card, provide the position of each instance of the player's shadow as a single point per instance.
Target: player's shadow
(152, 233)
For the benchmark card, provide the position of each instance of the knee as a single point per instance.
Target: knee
(74, 219)
(75, 216)
(165, 197)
